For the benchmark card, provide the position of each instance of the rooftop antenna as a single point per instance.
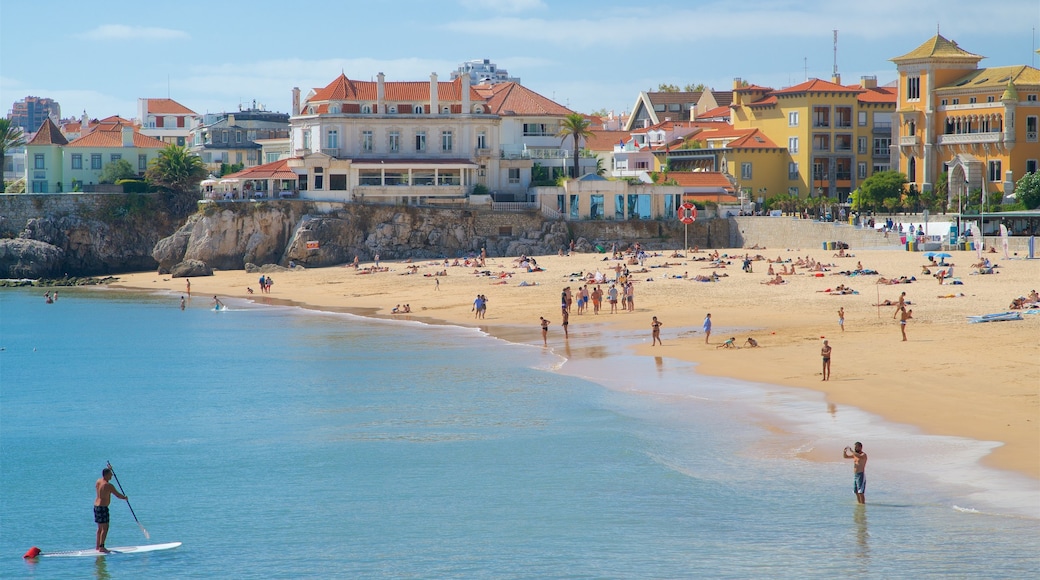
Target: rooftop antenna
(805, 66)
(167, 85)
(835, 72)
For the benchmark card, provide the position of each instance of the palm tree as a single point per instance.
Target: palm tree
(575, 126)
(178, 173)
(11, 137)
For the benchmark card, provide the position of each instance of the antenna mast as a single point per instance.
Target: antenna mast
(835, 73)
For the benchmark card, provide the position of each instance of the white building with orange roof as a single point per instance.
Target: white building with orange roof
(422, 142)
(165, 119)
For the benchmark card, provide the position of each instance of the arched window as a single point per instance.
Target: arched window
(366, 109)
(911, 170)
(417, 109)
(446, 110)
(478, 108)
(334, 109)
(393, 110)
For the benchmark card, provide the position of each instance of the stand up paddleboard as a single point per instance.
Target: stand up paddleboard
(111, 551)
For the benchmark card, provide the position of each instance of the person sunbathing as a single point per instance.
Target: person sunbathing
(1033, 297)
(775, 281)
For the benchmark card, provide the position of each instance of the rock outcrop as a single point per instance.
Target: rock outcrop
(24, 258)
(190, 269)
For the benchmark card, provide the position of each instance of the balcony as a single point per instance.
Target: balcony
(970, 138)
(909, 141)
(380, 191)
(482, 152)
(882, 128)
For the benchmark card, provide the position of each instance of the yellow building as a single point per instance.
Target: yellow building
(842, 133)
(978, 124)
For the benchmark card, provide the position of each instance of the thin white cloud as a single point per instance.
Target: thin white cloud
(506, 6)
(124, 32)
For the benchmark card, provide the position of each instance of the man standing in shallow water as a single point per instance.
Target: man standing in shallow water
(859, 481)
(105, 491)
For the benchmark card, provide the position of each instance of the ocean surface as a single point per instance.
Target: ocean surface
(276, 442)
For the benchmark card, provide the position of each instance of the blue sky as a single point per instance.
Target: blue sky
(587, 54)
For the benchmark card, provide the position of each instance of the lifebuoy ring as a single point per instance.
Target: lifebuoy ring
(687, 213)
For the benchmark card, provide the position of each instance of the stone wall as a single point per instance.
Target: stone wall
(16, 209)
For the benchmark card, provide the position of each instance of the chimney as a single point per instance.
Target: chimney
(836, 78)
(737, 84)
(230, 120)
(466, 107)
(435, 104)
(868, 82)
(380, 79)
(127, 135)
(295, 101)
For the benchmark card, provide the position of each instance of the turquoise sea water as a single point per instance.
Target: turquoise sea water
(282, 443)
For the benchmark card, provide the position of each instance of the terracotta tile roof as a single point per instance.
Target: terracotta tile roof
(606, 140)
(720, 112)
(723, 198)
(670, 98)
(48, 134)
(723, 98)
(754, 88)
(767, 101)
(753, 140)
(697, 179)
(274, 170)
(166, 107)
(937, 48)
(877, 95)
(516, 99)
(344, 89)
(816, 86)
(105, 137)
(667, 126)
(995, 78)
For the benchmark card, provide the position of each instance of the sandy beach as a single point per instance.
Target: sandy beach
(980, 381)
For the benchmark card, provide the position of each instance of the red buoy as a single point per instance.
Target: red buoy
(32, 553)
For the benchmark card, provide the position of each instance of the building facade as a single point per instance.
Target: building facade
(165, 119)
(236, 138)
(484, 72)
(978, 124)
(30, 112)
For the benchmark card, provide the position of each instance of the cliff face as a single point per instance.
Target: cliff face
(58, 235)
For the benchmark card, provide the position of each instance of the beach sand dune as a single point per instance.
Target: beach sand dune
(949, 378)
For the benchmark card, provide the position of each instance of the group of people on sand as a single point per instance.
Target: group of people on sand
(265, 284)
(406, 309)
(479, 306)
(1022, 302)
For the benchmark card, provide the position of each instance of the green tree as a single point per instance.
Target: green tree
(695, 88)
(882, 186)
(116, 170)
(667, 88)
(1027, 190)
(11, 137)
(226, 169)
(575, 126)
(177, 173)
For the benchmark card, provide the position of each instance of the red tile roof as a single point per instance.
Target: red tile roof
(166, 107)
(344, 89)
(516, 99)
(767, 101)
(877, 95)
(816, 86)
(605, 140)
(753, 140)
(107, 136)
(48, 134)
(721, 111)
(697, 179)
(274, 170)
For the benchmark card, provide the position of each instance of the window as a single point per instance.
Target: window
(792, 191)
(1031, 126)
(879, 167)
(238, 158)
(745, 170)
(1031, 98)
(319, 179)
(861, 170)
(821, 142)
(821, 117)
(792, 119)
(366, 109)
(843, 117)
(843, 142)
(95, 161)
(913, 88)
(394, 141)
(942, 102)
(481, 140)
(420, 141)
(989, 99)
(392, 110)
(1030, 165)
(366, 142)
(971, 100)
(446, 141)
(77, 161)
(238, 136)
(270, 158)
(911, 128)
(861, 145)
(792, 171)
(180, 141)
(223, 136)
(956, 101)
(792, 144)
(911, 170)
(332, 139)
(994, 171)
(115, 157)
(538, 130)
(38, 161)
(862, 118)
(514, 175)
(302, 183)
(338, 182)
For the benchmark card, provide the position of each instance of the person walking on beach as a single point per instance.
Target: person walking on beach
(903, 317)
(707, 327)
(105, 491)
(826, 353)
(656, 334)
(187, 284)
(545, 331)
(901, 306)
(841, 318)
(566, 322)
(859, 466)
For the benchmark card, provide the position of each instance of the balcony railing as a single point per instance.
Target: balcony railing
(482, 152)
(843, 175)
(991, 137)
(881, 152)
(908, 141)
(881, 127)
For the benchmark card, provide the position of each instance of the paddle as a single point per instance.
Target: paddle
(144, 531)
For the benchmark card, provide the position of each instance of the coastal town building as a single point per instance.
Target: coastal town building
(978, 124)
(484, 72)
(165, 119)
(654, 108)
(421, 142)
(237, 138)
(30, 112)
(55, 164)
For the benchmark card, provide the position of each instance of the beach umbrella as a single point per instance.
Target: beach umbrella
(930, 255)
(942, 257)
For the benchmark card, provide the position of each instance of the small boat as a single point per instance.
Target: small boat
(997, 317)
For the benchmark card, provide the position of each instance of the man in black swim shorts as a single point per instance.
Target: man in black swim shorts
(105, 491)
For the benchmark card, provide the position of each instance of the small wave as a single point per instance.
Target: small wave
(966, 510)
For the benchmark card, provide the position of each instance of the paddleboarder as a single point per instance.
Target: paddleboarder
(105, 491)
